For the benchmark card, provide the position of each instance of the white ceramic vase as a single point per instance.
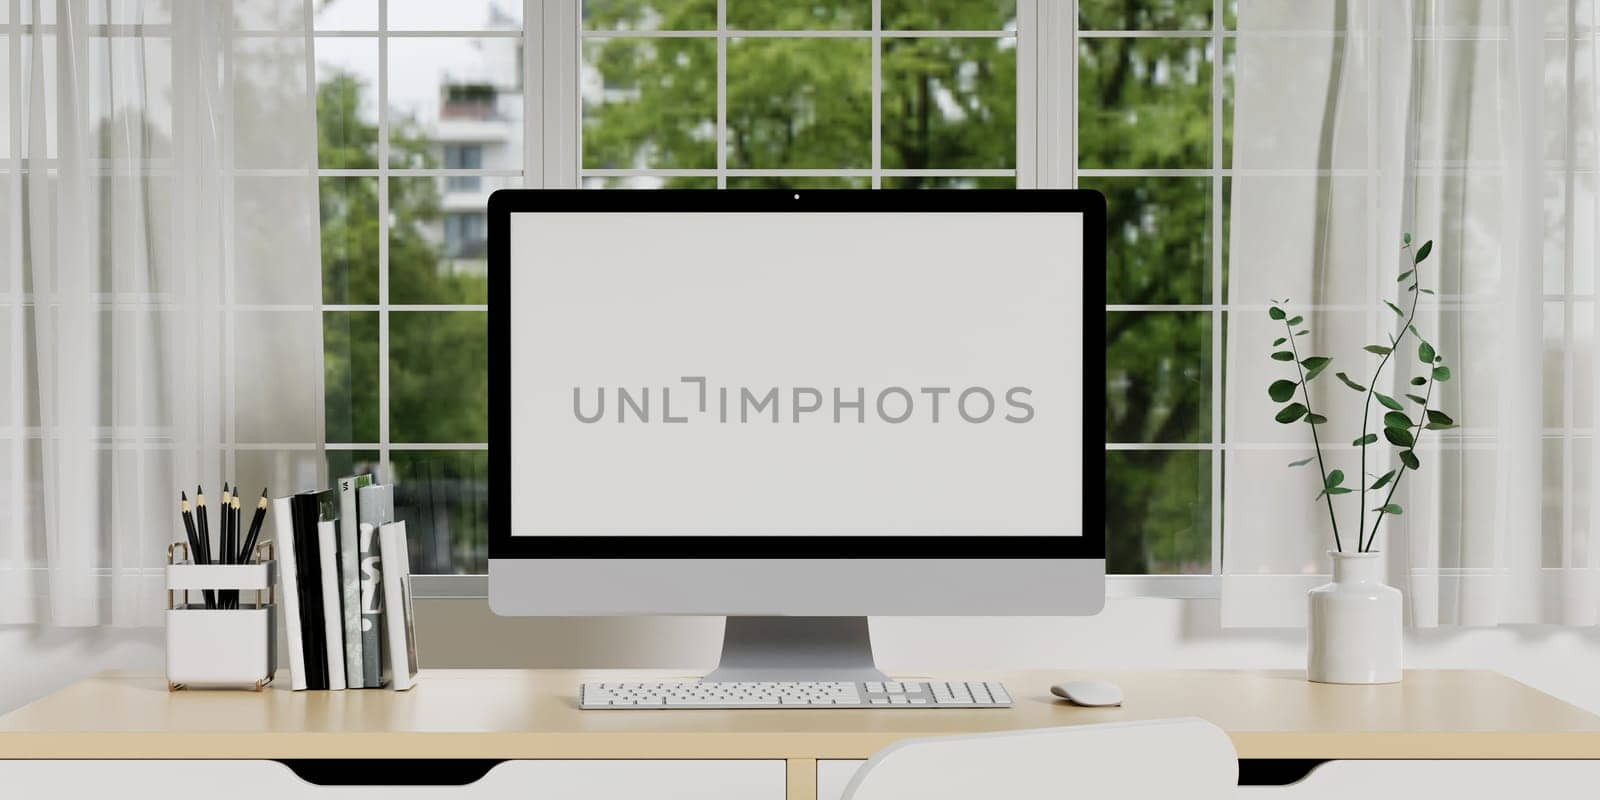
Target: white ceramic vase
(1355, 624)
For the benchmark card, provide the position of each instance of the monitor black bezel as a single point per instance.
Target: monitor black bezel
(505, 202)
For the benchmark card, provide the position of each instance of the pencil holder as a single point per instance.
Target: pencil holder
(218, 647)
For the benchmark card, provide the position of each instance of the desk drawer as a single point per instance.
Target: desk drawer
(522, 780)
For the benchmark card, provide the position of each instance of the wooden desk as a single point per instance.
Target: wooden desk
(533, 714)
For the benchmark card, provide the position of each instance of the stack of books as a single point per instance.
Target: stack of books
(345, 579)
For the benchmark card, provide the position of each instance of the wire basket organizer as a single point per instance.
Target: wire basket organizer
(221, 647)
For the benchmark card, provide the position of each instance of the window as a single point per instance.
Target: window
(421, 115)
(463, 157)
(1152, 136)
(774, 93)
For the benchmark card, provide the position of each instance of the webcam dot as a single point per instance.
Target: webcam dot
(797, 197)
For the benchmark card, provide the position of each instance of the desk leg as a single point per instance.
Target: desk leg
(802, 780)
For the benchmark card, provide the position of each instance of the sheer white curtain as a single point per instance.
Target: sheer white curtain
(158, 306)
(1471, 123)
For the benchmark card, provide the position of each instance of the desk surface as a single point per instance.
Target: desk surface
(500, 714)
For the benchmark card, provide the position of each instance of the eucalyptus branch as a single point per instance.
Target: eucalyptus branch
(1399, 473)
(1372, 385)
(1399, 428)
(1311, 418)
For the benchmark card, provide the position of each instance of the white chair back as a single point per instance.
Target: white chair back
(1185, 758)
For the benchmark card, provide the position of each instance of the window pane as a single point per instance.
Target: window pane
(650, 103)
(949, 15)
(949, 182)
(446, 90)
(649, 15)
(350, 375)
(1158, 512)
(797, 15)
(444, 499)
(1144, 103)
(438, 376)
(1144, 15)
(438, 238)
(346, 15)
(798, 182)
(800, 104)
(456, 15)
(949, 103)
(349, 240)
(347, 103)
(1158, 239)
(344, 463)
(648, 182)
(1158, 376)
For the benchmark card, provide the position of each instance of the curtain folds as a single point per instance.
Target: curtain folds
(1471, 124)
(131, 353)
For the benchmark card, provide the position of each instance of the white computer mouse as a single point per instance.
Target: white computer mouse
(1088, 693)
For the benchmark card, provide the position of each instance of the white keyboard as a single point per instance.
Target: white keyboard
(795, 694)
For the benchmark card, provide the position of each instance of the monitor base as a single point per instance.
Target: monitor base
(796, 649)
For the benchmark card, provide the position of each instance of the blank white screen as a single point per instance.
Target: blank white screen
(875, 301)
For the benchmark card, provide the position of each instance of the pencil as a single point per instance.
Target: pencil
(255, 528)
(188, 529)
(233, 547)
(204, 525)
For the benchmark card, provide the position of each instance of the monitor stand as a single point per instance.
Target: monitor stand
(796, 649)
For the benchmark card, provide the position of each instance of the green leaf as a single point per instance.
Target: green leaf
(1338, 490)
(1276, 313)
(1388, 402)
(1302, 462)
(1316, 419)
(1301, 333)
(1391, 508)
(1368, 439)
(1383, 480)
(1350, 383)
(1281, 391)
(1399, 436)
(1404, 275)
(1424, 250)
(1377, 349)
(1409, 458)
(1438, 421)
(1396, 419)
(1405, 238)
(1291, 413)
(1441, 373)
(1419, 381)
(1278, 342)
(1425, 353)
(1395, 309)
(1296, 320)
(1335, 478)
(1283, 355)
(1315, 365)
(1411, 288)
(1427, 291)
(1421, 401)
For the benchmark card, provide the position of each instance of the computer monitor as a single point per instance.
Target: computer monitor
(797, 409)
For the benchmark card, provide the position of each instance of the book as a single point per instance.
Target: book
(288, 589)
(332, 616)
(350, 579)
(397, 615)
(375, 506)
(308, 566)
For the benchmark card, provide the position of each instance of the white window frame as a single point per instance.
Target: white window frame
(1047, 58)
